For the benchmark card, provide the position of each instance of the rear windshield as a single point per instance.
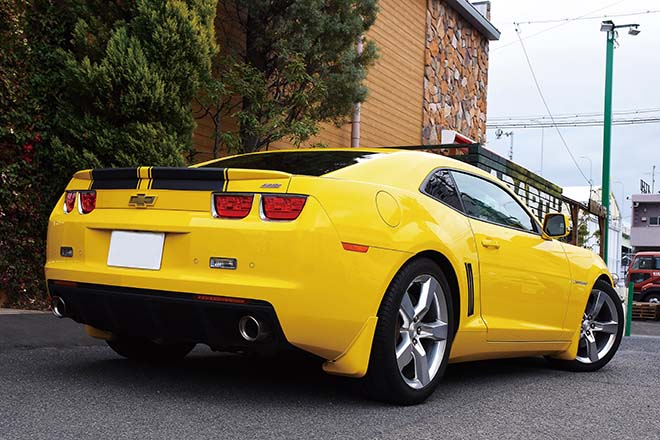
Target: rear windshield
(307, 163)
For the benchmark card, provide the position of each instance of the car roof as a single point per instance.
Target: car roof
(403, 168)
(647, 253)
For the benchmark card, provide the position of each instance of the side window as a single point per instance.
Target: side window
(441, 187)
(487, 201)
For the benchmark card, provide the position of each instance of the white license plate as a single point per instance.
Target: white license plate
(137, 250)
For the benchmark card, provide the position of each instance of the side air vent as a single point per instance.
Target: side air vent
(470, 282)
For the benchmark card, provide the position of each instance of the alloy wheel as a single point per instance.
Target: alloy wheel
(599, 328)
(421, 337)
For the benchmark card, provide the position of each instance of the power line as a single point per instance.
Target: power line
(576, 124)
(545, 104)
(556, 26)
(572, 115)
(594, 17)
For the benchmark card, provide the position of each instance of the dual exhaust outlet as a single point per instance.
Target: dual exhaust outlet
(250, 328)
(58, 307)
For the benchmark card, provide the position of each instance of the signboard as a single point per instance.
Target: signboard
(644, 187)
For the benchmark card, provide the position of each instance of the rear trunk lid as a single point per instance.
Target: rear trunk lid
(161, 188)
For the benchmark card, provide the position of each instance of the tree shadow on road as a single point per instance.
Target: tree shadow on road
(288, 378)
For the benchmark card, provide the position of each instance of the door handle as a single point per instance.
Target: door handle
(494, 244)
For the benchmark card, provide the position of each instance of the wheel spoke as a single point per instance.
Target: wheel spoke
(592, 348)
(407, 308)
(436, 331)
(426, 296)
(610, 327)
(404, 354)
(598, 304)
(421, 365)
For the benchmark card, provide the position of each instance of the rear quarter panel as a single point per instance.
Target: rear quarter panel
(423, 225)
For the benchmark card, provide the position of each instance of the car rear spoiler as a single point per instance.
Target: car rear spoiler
(192, 179)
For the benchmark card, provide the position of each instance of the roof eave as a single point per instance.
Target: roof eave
(474, 17)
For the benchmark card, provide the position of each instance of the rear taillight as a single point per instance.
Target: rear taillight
(87, 201)
(69, 201)
(282, 207)
(232, 205)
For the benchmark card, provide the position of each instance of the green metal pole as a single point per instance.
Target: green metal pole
(631, 294)
(607, 139)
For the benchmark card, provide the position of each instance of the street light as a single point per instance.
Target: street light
(611, 29)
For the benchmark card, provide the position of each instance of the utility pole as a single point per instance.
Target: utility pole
(591, 181)
(542, 136)
(611, 29)
(499, 133)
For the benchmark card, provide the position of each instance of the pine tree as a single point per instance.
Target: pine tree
(128, 80)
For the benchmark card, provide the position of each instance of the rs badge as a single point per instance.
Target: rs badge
(142, 201)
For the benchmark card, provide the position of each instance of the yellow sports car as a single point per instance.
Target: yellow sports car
(387, 264)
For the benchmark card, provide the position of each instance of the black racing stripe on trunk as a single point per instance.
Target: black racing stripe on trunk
(115, 174)
(188, 179)
(158, 173)
(115, 184)
(115, 178)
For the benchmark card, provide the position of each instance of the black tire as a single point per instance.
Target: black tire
(652, 297)
(146, 350)
(579, 366)
(384, 381)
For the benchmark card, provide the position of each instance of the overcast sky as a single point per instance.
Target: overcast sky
(569, 62)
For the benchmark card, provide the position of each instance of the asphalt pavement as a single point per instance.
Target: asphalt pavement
(55, 383)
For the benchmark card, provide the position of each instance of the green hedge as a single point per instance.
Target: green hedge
(88, 83)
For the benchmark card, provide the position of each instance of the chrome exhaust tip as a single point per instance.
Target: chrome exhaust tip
(251, 329)
(58, 306)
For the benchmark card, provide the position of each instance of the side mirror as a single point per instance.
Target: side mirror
(556, 225)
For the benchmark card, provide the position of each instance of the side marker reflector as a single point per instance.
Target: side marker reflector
(65, 283)
(355, 247)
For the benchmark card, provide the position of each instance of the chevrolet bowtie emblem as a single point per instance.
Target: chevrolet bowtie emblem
(142, 201)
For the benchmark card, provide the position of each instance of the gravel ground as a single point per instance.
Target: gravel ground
(57, 384)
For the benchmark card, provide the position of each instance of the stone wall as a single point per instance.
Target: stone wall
(455, 76)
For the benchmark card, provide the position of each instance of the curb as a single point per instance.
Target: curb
(21, 312)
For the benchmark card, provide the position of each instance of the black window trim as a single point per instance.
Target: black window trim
(424, 184)
(537, 227)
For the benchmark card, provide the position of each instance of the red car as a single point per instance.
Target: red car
(645, 274)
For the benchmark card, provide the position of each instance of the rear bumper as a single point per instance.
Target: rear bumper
(176, 316)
